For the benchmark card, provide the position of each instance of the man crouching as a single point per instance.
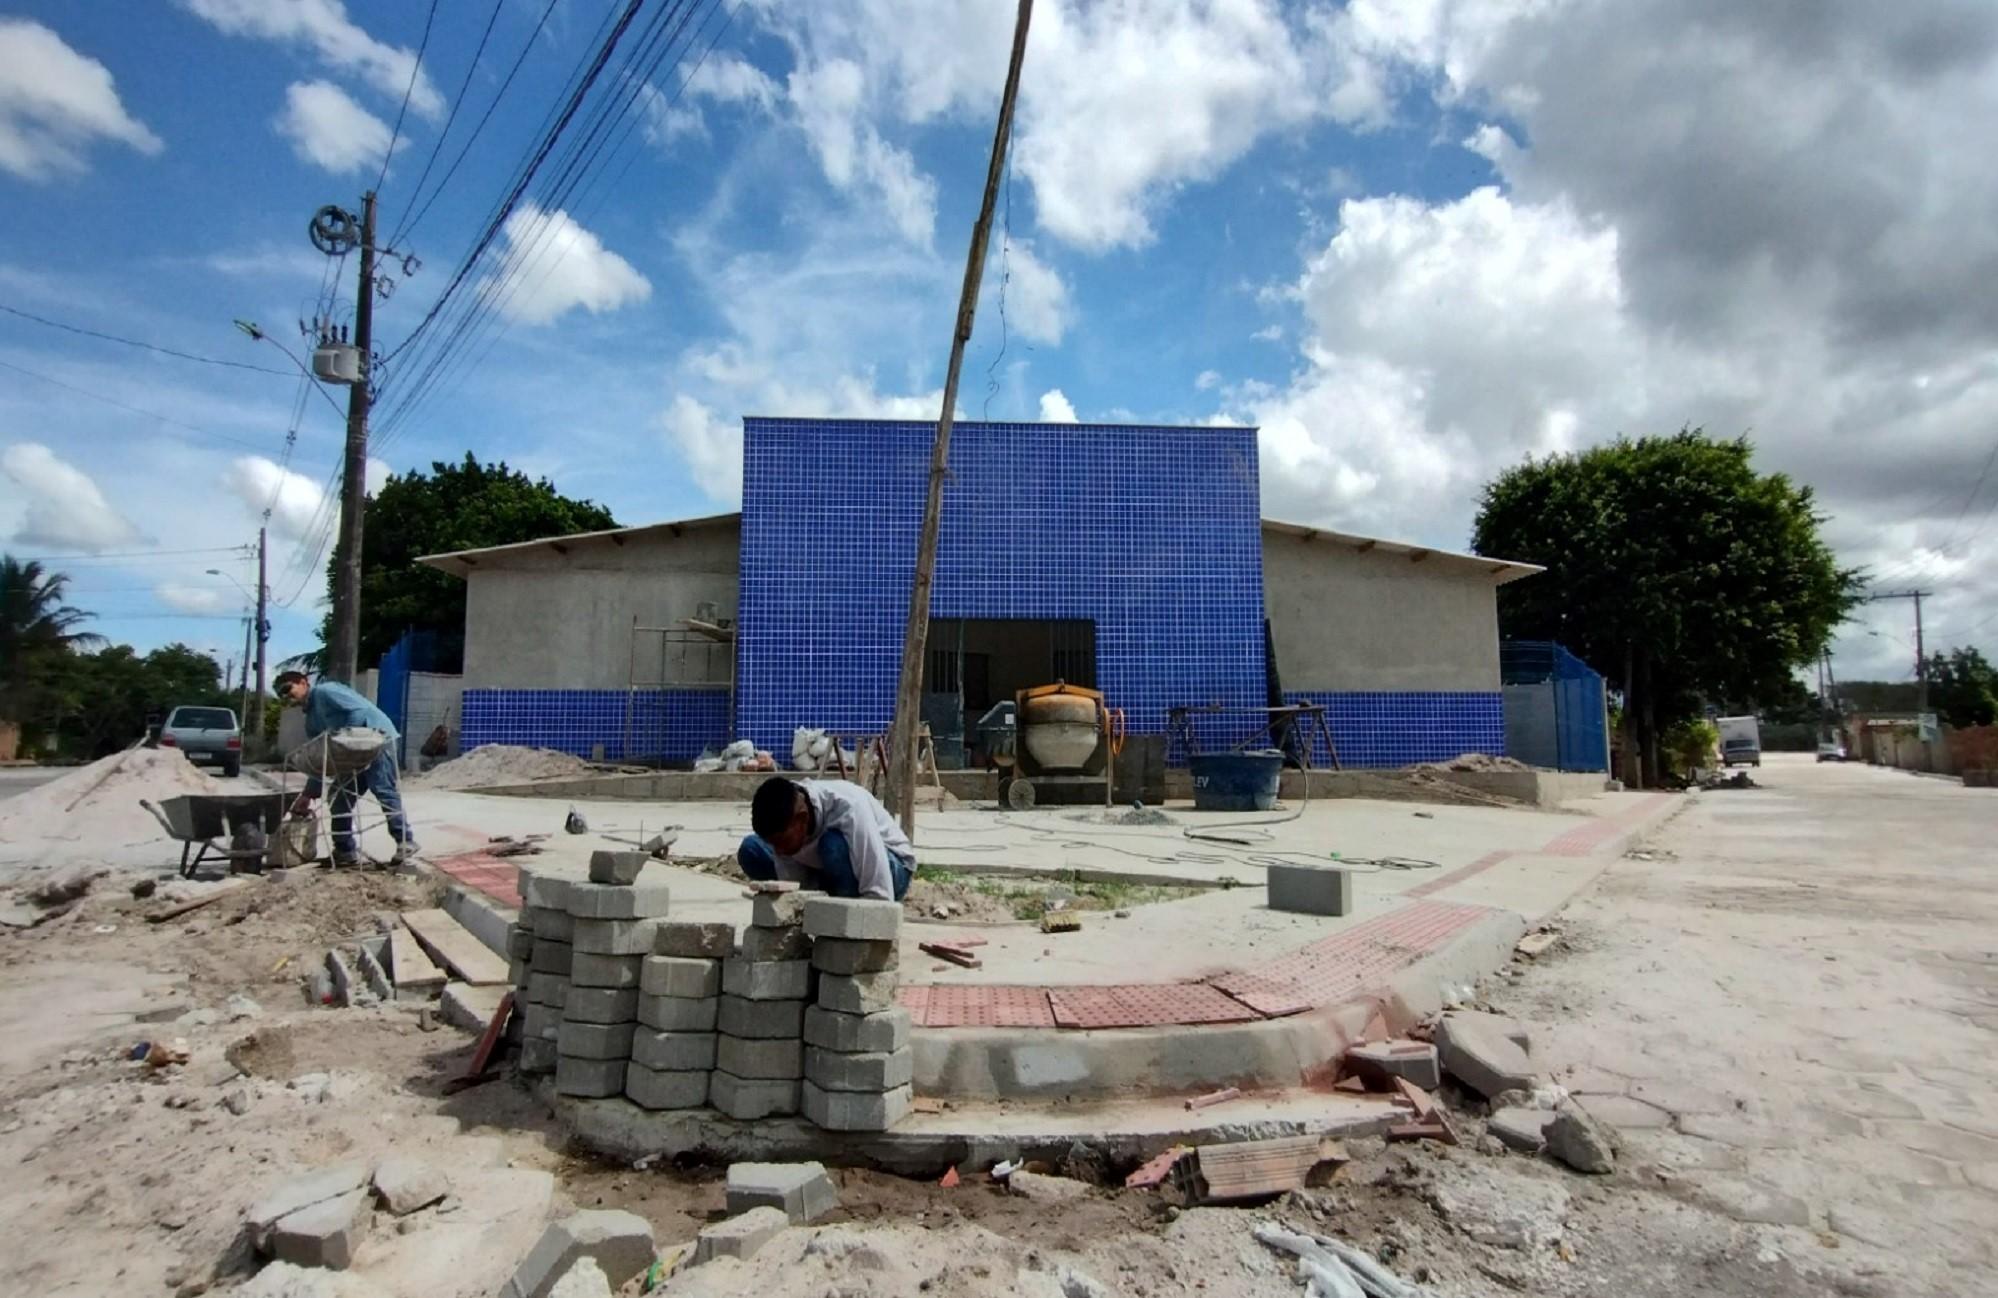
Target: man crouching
(831, 835)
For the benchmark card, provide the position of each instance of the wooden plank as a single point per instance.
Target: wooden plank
(409, 967)
(174, 912)
(452, 945)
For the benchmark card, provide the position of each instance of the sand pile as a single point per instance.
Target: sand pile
(97, 806)
(500, 764)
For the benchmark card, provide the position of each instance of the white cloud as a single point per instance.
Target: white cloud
(1037, 304)
(1056, 408)
(727, 79)
(1272, 333)
(330, 130)
(54, 102)
(852, 152)
(558, 266)
(1207, 379)
(711, 442)
(323, 26)
(65, 510)
(182, 598)
(299, 506)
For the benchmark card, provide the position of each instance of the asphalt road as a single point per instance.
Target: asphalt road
(19, 779)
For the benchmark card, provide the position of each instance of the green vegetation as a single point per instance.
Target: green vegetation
(1963, 689)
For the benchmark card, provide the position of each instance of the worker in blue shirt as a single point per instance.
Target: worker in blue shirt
(330, 705)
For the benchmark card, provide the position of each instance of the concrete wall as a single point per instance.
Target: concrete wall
(1345, 621)
(538, 619)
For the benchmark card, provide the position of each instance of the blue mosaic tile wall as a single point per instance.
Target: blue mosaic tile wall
(666, 725)
(1153, 533)
(1395, 729)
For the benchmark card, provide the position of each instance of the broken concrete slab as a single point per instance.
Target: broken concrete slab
(665, 975)
(1378, 1063)
(739, 1237)
(854, 919)
(710, 941)
(748, 1099)
(619, 868)
(838, 956)
(1521, 1129)
(801, 1191)
(1481, 1055)
(1581, 1142)
(619, 1242)
(768, 980)
(323, 1235)
(760, 1019)
(403, 1184)
(302, 1192)
(875, 1033)
(855, 1110)
(858, 993)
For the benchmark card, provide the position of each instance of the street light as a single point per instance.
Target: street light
(217, 572)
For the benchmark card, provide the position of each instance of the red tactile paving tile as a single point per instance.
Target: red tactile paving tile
(1350, 963)
(977, 1006)
(1440, 882)
(1146, 1005)
(1273, 998)
(487, 874)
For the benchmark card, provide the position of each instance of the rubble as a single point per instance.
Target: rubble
(618, 1242)
(619, 868)
(802, 1191)
(1480, 1051)
(1521, 1129)
(323, 1235)
(1581, 1142)
(1041, 1188)
(740, 1236)
(584, 1280)
(1378, 1063)
(404, 1185)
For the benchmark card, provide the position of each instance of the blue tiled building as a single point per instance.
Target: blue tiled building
(1132, 558)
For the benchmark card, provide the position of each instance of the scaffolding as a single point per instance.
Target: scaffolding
(705, 634)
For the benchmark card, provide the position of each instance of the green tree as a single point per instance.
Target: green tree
(455, 507)
(1673, 567)
(107, 698)
(1963, 689)
(38, 635)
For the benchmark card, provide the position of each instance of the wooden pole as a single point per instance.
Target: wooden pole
(907, 727)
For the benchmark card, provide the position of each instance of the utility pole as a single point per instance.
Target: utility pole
(344, 644)
(906, 734)
(244, 715)
(1921, 656)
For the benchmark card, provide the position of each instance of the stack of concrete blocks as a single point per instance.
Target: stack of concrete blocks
(766, 984)
(858, 1063)
(679, 998)
(614, 919)
(540, 954)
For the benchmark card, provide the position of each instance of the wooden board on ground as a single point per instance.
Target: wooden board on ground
(452, 945)
(409, 968)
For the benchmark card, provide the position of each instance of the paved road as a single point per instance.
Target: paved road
(1791, 1011)
(19, 779)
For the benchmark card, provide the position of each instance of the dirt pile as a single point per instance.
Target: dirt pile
(97, 806)
(1473, 762)
(500, 764)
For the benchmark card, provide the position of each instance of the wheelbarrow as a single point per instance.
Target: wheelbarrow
(199, 820)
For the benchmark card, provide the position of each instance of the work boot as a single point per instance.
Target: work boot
(346, 862)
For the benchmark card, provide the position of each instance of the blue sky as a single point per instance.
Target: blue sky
(1412, 242)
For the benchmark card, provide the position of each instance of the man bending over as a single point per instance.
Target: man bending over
(831, 835)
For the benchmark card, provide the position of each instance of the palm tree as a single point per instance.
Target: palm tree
(35, 624)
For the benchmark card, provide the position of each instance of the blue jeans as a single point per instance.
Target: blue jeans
(836, 877)
(379, 780)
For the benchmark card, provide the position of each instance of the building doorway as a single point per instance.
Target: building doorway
(974, 663)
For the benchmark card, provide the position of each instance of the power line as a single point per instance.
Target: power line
(457, 102)
(415, 71)
(128, 555)
(133, 342)
(149, 414)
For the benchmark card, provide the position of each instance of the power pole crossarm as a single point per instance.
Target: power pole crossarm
(1921, 654)
(906, 733)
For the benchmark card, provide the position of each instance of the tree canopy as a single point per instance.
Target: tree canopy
(1963, 688)
(38, 633)
(460, 506)
(1673, 568)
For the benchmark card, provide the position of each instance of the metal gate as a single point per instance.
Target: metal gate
(1555, 707)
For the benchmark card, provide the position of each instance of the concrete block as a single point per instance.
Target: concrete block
(673, 1052)
(600, 1005)
(1480, 1056)
(516, 974)
(768, 980)
(854, 1110)
(787, 943)
(548, 989)
(595, 1078)
(656, 1088)
(519, 943)
(858, 993)
(1521, 1129)
(544, 891)
(1378, 1063)
(619, 868)
(303, 1192)
(739, 1237)
(777, 909)
(547, 956)
(774, 1059)
(667, 975)
(537, 1055)
(678, 1013)
(323, 1235)
(835, 955)
(539, 1021)
(594, 1040)
(616, 936)
(748, 1099)
(857, 1033)
(403, 1184)
(614, 901)
(760, 1019)
(856, 919)
(1308, 889)
(553, 925)
(801, 1191)
(612, 971)
(695, 941)
(1509, 1028)
(469, 1007)
(618, 1242)
(832, 1070)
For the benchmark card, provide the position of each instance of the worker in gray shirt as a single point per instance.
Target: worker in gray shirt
(329, 705)
(831, 835)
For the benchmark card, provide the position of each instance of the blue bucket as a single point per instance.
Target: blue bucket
(1236, 781)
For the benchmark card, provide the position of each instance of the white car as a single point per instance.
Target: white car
(1830, 750)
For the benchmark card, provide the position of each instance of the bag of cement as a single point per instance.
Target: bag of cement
(708, 764)
(737, 755)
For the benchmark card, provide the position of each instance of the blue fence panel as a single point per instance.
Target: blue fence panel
(1580, 739)
(416, 651)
